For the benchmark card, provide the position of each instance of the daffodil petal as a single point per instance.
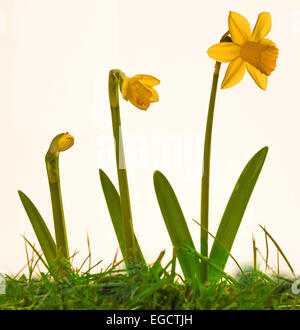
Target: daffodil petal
(239, 28)
(234, 73)
(224, 51)
(260, 78)
(124, 88)
(147, 79)
(262, 27)
(154, 97)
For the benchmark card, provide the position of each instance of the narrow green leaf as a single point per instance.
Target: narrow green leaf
(112, 198)
(177, 227)
(235, 210)
(40, 228)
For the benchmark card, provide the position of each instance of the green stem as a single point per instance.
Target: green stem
(205, 174)
(52, 166)
(116, 78)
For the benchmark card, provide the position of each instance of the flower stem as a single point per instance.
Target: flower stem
(116, 78)
(206, 172)
(52, 166)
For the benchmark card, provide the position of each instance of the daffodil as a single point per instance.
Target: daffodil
(251, 51)
(60, 143)
(139, 90)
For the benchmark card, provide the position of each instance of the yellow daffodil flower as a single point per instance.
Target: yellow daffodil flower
(247, 50)
(139, 90)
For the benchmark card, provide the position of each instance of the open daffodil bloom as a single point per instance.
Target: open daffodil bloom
(247, 50)
(139, 90)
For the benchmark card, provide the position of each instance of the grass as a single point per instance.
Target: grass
(147, 288)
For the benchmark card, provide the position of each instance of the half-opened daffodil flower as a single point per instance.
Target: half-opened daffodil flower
(247, 50)
(139, 90)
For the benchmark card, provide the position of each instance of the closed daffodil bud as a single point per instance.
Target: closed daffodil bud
(61, 142)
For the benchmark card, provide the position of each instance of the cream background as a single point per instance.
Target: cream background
(55, 57)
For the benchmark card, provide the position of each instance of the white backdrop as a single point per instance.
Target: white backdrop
(57, 55)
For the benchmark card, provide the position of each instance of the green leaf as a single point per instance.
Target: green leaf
(235, 210)
(177, 227)
(112, 198)
(40, 228)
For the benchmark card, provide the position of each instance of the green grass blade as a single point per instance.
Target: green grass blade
(235, 210)
(278, 249)
(177, 227)
(36, 252)
(218, 269)
(40, 228)
(230, 255)
(112, 198)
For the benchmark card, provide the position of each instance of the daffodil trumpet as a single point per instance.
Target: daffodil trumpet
(59, 144)
(140, 92)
